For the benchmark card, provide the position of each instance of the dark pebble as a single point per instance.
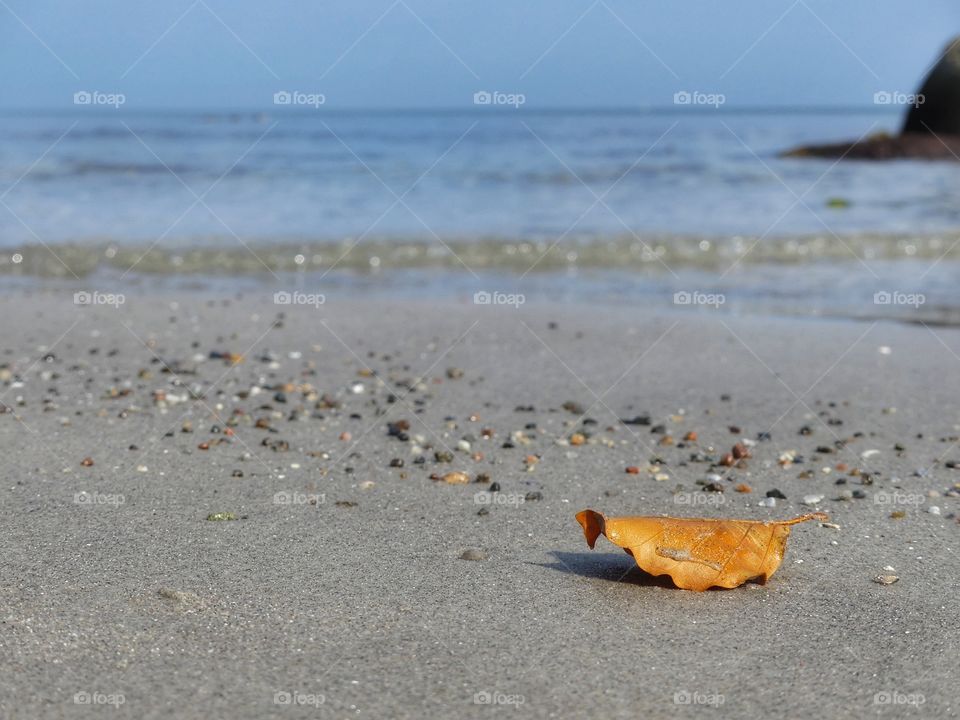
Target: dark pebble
(776, 494)
(533, 496)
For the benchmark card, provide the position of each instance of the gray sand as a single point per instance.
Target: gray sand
(368, 610)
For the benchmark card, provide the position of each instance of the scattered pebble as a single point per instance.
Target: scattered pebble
(812, 500)
(886, 579)
(221, 516)
(456, 478)
(473, 554)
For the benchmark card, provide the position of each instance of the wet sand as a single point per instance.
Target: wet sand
(341, 588)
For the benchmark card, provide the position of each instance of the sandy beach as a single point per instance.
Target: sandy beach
(218, 506)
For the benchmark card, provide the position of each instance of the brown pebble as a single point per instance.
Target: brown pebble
(87, 462)
(727, 460)
(886, 579)
(897, 515)
(473, 554)
(531, 459)
(633, 470)
(456, 478)
(740, 451)
(577, 439)
(203, 446)
(345, 436)
(690, 436)
(743, 488)
(666, 440)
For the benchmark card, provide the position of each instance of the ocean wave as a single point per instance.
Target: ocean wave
(223, 256)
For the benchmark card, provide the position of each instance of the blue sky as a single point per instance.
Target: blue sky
(222, 54)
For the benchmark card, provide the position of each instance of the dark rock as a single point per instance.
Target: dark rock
(939, 111)
(931, 130)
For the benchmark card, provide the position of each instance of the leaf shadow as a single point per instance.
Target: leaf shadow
(605, 566)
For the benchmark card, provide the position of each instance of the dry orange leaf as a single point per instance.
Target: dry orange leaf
(697, 553)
